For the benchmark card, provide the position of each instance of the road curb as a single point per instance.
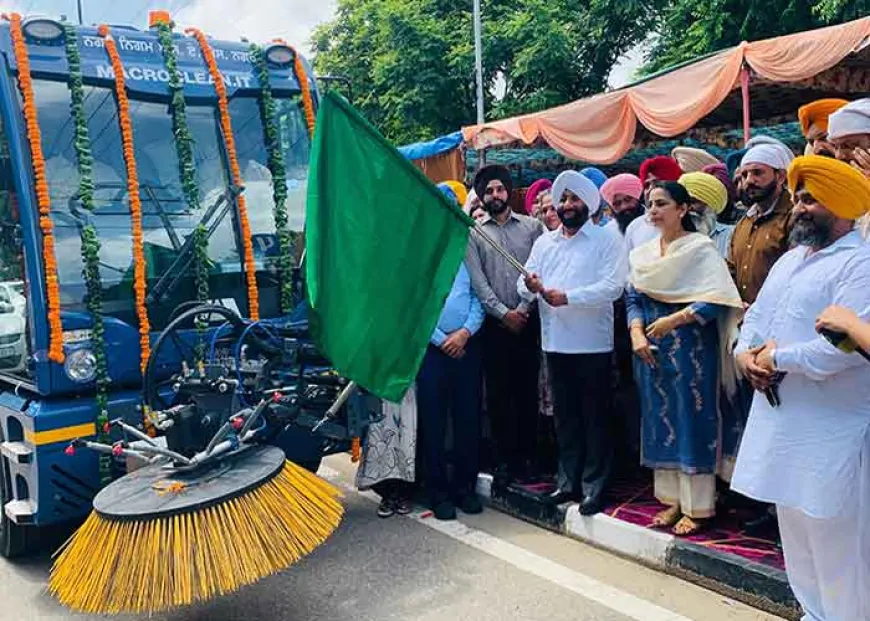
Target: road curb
(752, 583)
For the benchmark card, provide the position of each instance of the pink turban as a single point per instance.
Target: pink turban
(532, 193)
(625, 183)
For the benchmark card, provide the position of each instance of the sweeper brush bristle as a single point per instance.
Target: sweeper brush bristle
(155, 564)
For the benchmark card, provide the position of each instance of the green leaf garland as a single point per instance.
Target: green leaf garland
(275, 163)
(90, 243)
(184, 143)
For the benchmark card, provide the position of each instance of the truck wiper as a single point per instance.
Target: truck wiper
(172, 276)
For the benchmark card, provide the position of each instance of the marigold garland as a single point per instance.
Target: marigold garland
(304, 89)
(89, 241)
(139, 280)
(232, 157)
(43, 200)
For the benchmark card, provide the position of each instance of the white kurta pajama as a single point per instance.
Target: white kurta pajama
(811, 455)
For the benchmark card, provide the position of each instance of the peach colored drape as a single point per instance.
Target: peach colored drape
(601, 129)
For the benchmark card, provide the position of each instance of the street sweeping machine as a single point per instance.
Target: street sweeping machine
(156, 373)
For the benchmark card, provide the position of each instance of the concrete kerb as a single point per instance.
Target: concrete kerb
(757, 585)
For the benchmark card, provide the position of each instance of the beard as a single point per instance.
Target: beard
(754, 195)
(815, 232)
(495, 207)
(573, 218)
(627, 216)
(705, 223)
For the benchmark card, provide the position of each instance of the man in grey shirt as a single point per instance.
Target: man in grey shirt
(511, 355)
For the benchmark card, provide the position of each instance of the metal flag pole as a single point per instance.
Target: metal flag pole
(489, 240)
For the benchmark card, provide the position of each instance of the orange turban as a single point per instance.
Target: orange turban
(843, 191)
(816, 114)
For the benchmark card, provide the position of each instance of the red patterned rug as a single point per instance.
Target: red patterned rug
(633, 501)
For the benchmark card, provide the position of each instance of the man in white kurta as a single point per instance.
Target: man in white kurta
(578, 271)
(810, 455)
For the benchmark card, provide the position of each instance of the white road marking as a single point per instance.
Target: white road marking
(535, 564)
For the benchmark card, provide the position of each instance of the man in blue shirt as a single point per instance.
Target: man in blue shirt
(449, 383)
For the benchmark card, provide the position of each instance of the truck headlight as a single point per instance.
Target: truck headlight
(81, 366)
(42, 29)
(279, 55)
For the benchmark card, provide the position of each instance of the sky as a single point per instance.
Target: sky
(257, 20)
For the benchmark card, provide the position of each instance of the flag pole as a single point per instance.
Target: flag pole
(485, 237)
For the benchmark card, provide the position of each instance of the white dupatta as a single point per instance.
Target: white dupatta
(692, 270)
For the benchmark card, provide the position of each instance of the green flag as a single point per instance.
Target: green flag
(382, 248)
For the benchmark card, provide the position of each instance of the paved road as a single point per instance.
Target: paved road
(483, 568)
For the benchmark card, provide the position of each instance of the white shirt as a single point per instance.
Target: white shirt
(591, 269)
(639, 232)
(806, 453)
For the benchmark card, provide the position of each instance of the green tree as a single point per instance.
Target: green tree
(687, 29)
(411, 62)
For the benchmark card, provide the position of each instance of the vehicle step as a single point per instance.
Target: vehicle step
(20, 511)
(17, 452)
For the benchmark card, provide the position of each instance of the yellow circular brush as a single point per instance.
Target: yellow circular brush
(163, 537)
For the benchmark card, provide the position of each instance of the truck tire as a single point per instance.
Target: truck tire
(15, 540)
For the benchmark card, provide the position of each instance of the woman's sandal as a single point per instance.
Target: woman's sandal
(667, 518)
(687, 527)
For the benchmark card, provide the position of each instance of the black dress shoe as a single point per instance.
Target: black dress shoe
(559, 497)
(591, 505)
(764, 527)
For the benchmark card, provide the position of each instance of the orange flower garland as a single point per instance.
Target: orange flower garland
(227, 126)
(307, 101)
(304, 87)
(139, 281)
(34, 136)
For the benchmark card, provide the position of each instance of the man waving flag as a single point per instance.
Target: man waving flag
(383, 246)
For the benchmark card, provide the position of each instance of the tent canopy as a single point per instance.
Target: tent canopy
(778, 75)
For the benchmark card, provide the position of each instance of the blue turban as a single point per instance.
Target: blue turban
(594, 175)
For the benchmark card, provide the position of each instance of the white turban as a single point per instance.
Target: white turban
(754, 142)
(850, 120)
(580, 185)
(777, 156)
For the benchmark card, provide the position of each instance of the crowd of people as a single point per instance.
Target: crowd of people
(699, 316)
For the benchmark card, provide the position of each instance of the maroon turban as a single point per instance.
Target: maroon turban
(720, 171)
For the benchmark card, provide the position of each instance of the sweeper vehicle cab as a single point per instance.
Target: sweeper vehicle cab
(162, 319)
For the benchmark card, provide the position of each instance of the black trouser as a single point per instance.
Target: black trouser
(626, 401)
(581, 404)
(394, 488)
(511, 362)
(450, 387)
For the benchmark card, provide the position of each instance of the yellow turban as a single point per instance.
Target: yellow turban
(707, 189)
(816, 114)
(842, 190)
(458, 190)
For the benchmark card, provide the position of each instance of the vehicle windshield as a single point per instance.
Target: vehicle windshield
(167, 219)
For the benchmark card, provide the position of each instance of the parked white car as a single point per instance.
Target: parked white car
(13, 344)
(15, 292)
